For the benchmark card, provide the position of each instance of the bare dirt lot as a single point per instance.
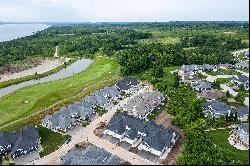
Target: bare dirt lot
(39, 68)
(165, 119)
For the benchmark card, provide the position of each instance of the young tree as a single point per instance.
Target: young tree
(215, 85)
(240, 97)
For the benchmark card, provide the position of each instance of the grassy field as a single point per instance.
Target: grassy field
(245, 41)
(220, 138)
(34, 98)
(168, 76)
(162, 37)
(223, 80)
(229, 72)
(50, 140)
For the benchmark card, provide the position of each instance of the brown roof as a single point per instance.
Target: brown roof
(211, 95)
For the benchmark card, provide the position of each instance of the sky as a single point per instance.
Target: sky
(123, 10)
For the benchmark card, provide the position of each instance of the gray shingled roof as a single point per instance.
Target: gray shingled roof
(241, 78)
(189, 68)
(145, 103)
(126, 83)
(21, 140)
(242, 111)
(157, 136)
(90, 156)
(242, 64)
(201, 84)
(245, 127)
(209, 67)
(160, 139)
(119, 122)
(4, 143)
(218, 107)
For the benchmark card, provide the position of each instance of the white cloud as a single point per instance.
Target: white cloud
(123, 10)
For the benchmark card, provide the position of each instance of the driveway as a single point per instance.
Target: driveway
(87, 135)
(246, 102)
(229, 89)
(243, 73)
(213, 78)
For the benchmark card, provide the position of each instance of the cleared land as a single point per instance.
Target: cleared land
(35, 98)
(162, 37)
(45, 66)
(220, 138)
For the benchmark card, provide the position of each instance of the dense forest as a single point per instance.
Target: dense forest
(73, 41)
(199, 41)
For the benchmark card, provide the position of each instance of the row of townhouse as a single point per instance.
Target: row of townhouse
(66, 118)
(20, 143)
(142, 105)
(147, 136)
(90, 156)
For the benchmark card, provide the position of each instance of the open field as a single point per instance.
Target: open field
(162, 37)
(31, 99)
(220, 138)
(169, 76)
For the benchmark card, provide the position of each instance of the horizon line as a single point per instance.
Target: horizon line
(123, 21)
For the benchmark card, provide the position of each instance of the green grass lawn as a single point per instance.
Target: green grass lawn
(100, 111)
(212, 73)
(237, 105)
(220, 138)
(245, 41)
(168, 76)
(50, 140)
(223, 80)
(157, 112)
(43, 95)
(229, 72)
(244, 70)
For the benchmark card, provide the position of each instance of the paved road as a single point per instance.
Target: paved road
(86, 135)
(56, 52)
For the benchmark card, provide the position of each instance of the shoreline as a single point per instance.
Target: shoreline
(36, 76)
(14, 36)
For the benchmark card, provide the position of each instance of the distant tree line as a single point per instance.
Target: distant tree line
(73, 40)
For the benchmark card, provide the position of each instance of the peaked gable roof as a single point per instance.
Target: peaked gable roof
(21, 140)
(217, 106)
